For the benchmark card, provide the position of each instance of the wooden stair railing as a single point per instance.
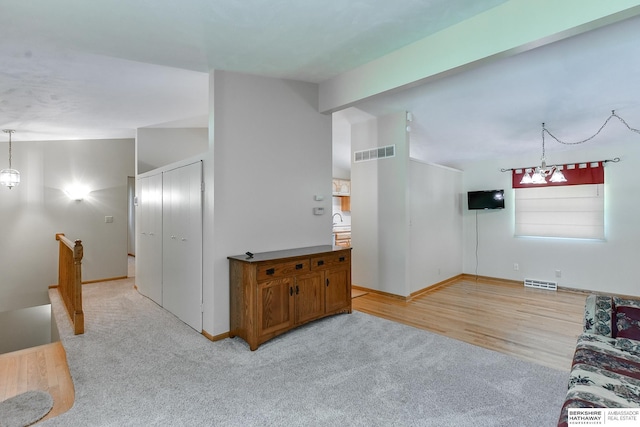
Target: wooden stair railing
(70, 280)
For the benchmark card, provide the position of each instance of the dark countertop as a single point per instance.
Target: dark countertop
(288, 253)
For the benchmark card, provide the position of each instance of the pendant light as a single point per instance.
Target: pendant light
(9, 177)
(539, 174)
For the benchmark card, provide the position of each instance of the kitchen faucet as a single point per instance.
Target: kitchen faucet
(334, 216)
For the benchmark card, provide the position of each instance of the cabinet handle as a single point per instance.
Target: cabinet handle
(298, 266)
(341, 259)
(321, 262)
(327, 282)
(297, 290)
(271, 271)
(291, 291)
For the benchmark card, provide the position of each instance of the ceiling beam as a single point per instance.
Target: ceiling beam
(513, 27)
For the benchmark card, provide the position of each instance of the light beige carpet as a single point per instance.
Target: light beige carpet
(137, 364)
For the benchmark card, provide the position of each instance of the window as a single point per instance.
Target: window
(572, 211)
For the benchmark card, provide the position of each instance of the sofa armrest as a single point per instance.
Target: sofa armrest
(598, 315)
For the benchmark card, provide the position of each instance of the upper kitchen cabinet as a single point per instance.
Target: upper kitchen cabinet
(341, 187)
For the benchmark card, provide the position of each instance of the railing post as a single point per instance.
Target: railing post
(78, 314)
(70, 279)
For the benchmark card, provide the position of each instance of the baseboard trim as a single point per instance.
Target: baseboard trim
(108, 279)
(500, 281)
(489, 279)
(587, 291)
(413, 295)
(375, 291)
(434, 287)
(87, 282)
(210, 337)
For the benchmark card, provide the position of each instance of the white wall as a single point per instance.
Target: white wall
(379, 207)
(157, 147)
(364, 208)
(33, 212)
(341, 142)
(435, 230)
(271, 155)
(608, 266)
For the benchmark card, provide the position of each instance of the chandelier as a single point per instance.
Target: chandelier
(544, 173)
(539, 174)
(9, 177)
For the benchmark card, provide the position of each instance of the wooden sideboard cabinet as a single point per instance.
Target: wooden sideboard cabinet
(273, 292)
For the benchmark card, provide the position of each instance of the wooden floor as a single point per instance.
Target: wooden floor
(38, 368)
(540, 326)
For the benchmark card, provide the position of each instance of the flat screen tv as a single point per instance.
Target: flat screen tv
(487, 199)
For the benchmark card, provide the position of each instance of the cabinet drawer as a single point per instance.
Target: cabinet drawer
(269, 271)
(330, 260)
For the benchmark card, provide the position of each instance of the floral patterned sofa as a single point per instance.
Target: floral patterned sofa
(605, 372)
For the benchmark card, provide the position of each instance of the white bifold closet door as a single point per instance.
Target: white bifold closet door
(149, 243)
(182, 243)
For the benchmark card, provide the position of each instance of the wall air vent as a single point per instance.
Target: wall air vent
(374, 154)
(541, 284)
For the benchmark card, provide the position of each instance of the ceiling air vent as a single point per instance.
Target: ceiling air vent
(374, 154)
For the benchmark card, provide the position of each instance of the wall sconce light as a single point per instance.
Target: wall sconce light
(77, 192)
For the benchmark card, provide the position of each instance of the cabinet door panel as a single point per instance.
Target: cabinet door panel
(275, 306)
(309, 292)
(337, 289)
(182, 243)
(149, 244)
